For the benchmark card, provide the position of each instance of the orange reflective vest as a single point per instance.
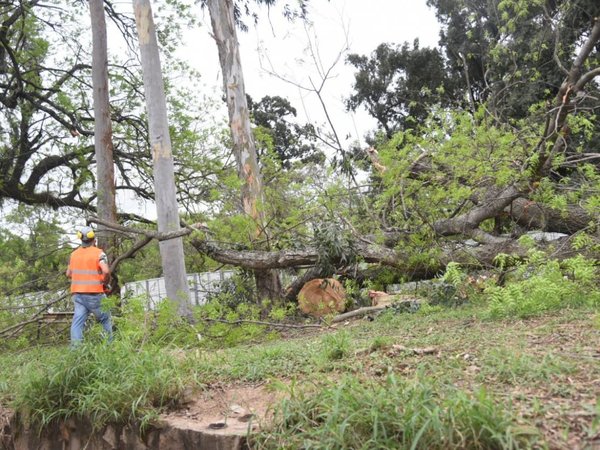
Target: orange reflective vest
(86, 275)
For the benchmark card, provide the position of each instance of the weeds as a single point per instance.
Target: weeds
(336, 346)
(105, 383)
(515, 367)
(395, 414)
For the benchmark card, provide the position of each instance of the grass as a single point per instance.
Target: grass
(106, 383)
(488, 384)
(395, 413)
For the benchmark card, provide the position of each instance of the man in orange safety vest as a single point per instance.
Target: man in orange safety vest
(89, 273)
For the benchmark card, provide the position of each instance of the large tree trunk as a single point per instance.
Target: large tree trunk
(536, 216)
(171, 251)
(105, 174)
(244, 148)
(475, 257)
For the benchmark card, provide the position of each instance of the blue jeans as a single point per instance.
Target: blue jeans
(84, 305)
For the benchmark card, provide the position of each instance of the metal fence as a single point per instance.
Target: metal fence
(49, 301)
(201, 286)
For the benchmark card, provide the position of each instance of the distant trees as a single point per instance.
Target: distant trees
(510, 54)
(39, 162)
(399, 85)
(47, 154)
(31, 259)
(290, 141)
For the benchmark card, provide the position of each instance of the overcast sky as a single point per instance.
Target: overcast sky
(340, 27)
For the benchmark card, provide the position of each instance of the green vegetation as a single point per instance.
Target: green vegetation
(480, 182)
(367, 385)
(116, 383)
(393, 413)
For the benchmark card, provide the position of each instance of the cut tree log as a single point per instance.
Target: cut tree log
(322, 296)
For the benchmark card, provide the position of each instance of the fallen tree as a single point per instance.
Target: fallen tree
(468, 254)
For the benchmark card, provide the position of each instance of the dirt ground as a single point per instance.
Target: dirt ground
(234, 409)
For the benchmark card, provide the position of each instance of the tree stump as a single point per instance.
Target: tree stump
(322, 296)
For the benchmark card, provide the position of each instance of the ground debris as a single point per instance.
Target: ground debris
(396, 349)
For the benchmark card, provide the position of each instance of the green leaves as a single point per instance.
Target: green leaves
(543, 285)
(436, 171)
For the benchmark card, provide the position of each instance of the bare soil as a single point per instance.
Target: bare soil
(233, 409)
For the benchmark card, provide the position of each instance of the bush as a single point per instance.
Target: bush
(545, 285)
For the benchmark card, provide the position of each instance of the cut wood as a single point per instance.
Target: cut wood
(358, 313)
(322, 296)
(393, 300)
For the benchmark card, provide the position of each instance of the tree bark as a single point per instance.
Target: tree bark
(478, 257)
(244, 148)
(222, 20)
(537, 216)
(554, 135)
(105, 174)
(171, 251)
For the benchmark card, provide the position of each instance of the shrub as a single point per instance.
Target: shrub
(545, 285)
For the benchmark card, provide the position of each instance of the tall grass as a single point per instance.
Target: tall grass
(105, 383)
(395, 414)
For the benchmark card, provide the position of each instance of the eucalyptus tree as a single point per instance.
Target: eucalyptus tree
(171, 250)
(224, 15)
(244, 148)
(106, 201)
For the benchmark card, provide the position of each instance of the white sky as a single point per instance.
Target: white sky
(366, 23)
